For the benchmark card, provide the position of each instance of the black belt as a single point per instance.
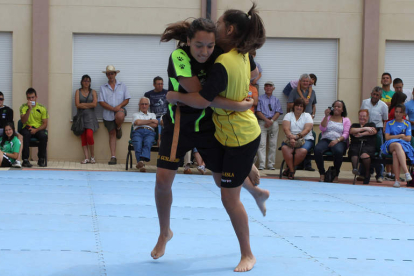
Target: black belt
(146, 128)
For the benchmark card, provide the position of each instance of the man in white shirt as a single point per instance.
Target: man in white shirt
(113, 97)
(378, 113)
(143, 136)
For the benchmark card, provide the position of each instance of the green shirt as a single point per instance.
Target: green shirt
(10, 146)
(37, 115)
(387, 96)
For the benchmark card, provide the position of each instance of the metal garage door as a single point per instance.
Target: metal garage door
(140, 58)
(6, 67)
(283, 60)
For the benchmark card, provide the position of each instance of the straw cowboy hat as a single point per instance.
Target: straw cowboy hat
(110, 68)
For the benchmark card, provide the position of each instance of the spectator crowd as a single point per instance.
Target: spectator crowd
(385, 119)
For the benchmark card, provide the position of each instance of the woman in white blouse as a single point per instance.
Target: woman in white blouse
(297, 125)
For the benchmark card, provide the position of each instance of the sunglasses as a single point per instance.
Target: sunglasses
(270, 108)
(143, 103)
(1, 99)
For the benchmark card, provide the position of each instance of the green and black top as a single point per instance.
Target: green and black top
(182, 64)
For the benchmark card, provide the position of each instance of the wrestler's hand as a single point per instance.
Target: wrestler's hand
(247, 103)
(172, 97)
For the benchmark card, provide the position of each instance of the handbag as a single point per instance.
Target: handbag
(77, 124)
(330, 174)
(298, 143)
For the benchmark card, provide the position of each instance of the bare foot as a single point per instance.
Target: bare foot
(159, 248)
(261, 201)
(246, 264)
(254, 176)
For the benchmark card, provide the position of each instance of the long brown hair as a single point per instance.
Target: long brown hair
(183, 29)
(249, 32)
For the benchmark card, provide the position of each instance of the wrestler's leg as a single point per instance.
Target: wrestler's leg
(260, 195)
(238, 216)
(254, 175)
(163, 200)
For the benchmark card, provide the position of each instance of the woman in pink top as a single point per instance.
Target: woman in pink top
(335, 132)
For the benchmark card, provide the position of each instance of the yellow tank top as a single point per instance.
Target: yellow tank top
(235, 129)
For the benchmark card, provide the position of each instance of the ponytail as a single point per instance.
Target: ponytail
(249, 32)
(182, 30)
(177, 31)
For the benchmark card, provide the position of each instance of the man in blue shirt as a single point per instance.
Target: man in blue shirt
(159, 104)
(268, 111)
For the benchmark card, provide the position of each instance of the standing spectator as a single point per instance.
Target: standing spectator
(268, 111)
(254, 81)
(159, 104)
(309, 102)
(387, 93)
(295, 84)
(254, 94)
(86, 99)
(378, 114)
(310, 107)
(113, 97)
(143, 136)
(9, 146)
(34, 117)
(409, 109)
(6, 116)
(335, 133)
(398, 86)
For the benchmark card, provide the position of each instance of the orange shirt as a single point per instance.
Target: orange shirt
(254, 93)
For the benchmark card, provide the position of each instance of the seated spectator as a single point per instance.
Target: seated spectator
(363, 141)
(6, 116)
(86, 99)
(378, 113)
(143, 134)
(9, 146)
(295, 84)
(34, 117)
(335, 132)
(398, 143)
(397, 98)
(296, 125)
(159, 104)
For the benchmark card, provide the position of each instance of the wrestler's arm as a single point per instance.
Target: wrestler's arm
(216, 83)
(192, 85)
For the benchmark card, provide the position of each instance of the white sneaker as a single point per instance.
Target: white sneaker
(396, 184)
(201, 169)
(16, 164)
(408, 177)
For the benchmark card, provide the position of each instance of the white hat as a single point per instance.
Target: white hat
(110, 68)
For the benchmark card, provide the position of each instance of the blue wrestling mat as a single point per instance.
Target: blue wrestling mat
(78, 223)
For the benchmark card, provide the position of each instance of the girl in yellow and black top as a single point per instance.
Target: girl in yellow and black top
(237, 132)
(188, 69)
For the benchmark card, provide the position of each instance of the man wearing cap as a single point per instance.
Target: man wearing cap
(113, 97)
(268, 111)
